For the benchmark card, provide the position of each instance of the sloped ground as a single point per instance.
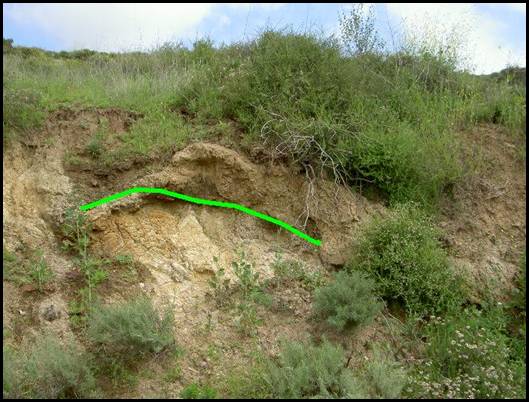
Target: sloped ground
(173, 241)
(176, 243)
(485, 221)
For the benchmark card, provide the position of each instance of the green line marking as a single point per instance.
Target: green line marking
(201, 201)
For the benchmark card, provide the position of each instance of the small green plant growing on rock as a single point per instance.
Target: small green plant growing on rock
(75, 229)
(250, 293)
(220, 285)
(250, 287)
(347, 301)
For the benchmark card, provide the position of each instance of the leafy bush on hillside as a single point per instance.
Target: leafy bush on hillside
(404, 256)
(347, 301)
(47, 368)
(131, 329)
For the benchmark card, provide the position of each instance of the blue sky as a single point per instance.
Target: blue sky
(494, 33)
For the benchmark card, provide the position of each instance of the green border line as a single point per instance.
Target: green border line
(201, 201)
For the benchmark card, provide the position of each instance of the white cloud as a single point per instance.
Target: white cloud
(486, 49)
(124, 26)
(521, 7)
(112, 27)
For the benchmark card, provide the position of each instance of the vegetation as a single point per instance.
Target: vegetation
(470, 355)
(131, 330)
(46, 368)
(306, 370)
(518, 298)
(33, 270)
(194, 391)
(346, 104)
(289, 271)
(75, 231)
(348, 301)
(346, 107)
(403, 255)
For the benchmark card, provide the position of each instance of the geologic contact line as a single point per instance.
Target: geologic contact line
(201, 201)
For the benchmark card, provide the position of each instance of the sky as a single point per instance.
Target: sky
(493, 34)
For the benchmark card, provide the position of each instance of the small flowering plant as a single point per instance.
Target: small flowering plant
(469, 357)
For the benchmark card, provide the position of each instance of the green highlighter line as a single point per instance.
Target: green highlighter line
(201, 201)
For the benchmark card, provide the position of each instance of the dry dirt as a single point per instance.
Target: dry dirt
(175, 242)
(484, 223)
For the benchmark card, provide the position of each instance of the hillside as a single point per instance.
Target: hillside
(410, 171)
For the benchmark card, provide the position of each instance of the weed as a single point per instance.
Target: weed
(129, 270)
(75, 229)
(131, 329)
(250, 292)
(308, 371)
(248, 319)
(383, 377)
(45, 368)
(124, 259)
(195, 391)
(173, 374)
(11, 268)
(32, 270)
(22, 109)
(249, 285)
(39, 271)
(220, 285)
(290, 270)
(348, 301)
(518, 299)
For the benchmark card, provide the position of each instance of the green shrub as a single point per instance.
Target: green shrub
(469, 355)
(383, 377)
(404, 256)
(131, 329)
(305, 370)
(195, 391)
(347, 301)
(308, 371)
(45, 368)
